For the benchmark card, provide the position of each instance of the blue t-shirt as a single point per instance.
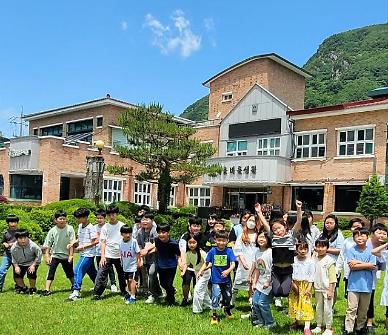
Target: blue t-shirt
(360, 281)
(167, 253)
(220, 262)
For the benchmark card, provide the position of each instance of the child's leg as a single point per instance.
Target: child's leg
(186, 279)
(51, 272)
(132, 287)
(166, 277)
(351, 311)
(257, 318)
(286, 284)
(120, 274)
(371, 310)
(226, 292)
(276, 283)
(32, 278)
(68, 269)
(319, 310)
(91, 270)
(363, 304)
(79, 272)
(216, 296)
(153, 282)
(102, 278)
(201, 294)
(265, 309)
(328, 312)
(5, 265)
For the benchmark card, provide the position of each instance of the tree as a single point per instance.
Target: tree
(373, 201)
(166, 149)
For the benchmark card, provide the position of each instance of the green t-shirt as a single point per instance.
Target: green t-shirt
(57, 240)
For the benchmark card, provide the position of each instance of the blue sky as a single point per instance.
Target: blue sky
(57, 53)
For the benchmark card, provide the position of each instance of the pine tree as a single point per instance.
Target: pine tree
(373, 201)
(167, 150)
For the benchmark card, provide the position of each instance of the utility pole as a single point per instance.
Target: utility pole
(18, 121)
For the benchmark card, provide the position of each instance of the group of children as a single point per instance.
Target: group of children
(282, 255)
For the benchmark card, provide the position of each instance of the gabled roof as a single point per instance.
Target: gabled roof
(273, 56)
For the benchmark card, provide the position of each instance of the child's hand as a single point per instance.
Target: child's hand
(199, 274)
(258, 208)
(245, 265)
(140, 264)
(265, 285)
(102, 262)
(330, 294)
(307, 293)
(70, 259)
(298, 204)
(17, 269)
(69, 246)
(79, 248)
(183, 272)
(224, 273)
(353, 263)
(31, 268)
(295, 289)
(48, 260)
(143, 252)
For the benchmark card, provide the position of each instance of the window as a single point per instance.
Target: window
(268, 146)
(99, 121)
(311, 196)
(35, 131)
(81, 127)
(51, 130)
(355, 142)
(255, 107)
(199, 196)
(227, 96)
(237, 148)
(172, 196)
(346, 198)
(113, 190)
(142, 193)
(26, 187)
(310, 145)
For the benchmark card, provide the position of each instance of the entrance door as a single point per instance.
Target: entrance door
(65, 188)
(250, 201)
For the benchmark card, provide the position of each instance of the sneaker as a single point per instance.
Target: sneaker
(245, 316)
(215, 320)
(185, 303)
(295, 326)
(228, 314)
(32, 291)
(130, 301)
(278, 302)
(113, 289)
(46, 293)
(22, 290)
(328, 332)
(96, 297)
(273, 325)
(307, 331)
(73, 296)
(317, 330)
(150, 300)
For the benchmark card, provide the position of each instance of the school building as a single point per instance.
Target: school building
(270, 148)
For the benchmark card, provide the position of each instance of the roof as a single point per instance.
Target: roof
(91, 104)
(273, 56)
(340, 107)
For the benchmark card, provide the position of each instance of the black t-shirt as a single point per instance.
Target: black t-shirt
(167, 253)
(9, 237)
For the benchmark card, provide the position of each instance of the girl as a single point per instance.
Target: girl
(299, 303)
(194, 260)
(245, 250)
(283, 249)
(309, 232)
(324, 286)
(261, 284)
(236, 231)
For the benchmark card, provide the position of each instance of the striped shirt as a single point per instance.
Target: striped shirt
(85, 236)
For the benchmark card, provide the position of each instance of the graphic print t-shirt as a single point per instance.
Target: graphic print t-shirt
(220, 262)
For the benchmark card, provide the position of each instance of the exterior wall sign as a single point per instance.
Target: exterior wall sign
(239, 169)
(19, 152)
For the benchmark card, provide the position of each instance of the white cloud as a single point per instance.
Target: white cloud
(209, 23)
(124, 25)
(179, 37)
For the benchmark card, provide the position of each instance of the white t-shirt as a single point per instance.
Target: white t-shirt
(85, 236)
(112, 237)
(128, 251)
(303, 270)
(263, 262)
(324, 273)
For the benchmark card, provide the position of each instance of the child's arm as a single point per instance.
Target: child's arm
(297, 226)
(308, 289)
(358, 265)
(47, 256)
(103, 259)
(204, 267)
(92, 243)
(332, 281)
(295, 287)
(254, 277)
(330, 291)
(71, 253)
(183, 269)
(226, 272)
(262, 218)
(377, 251)
(139, 260)
(243, 261)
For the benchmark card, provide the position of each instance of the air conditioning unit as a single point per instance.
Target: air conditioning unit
(255, 107)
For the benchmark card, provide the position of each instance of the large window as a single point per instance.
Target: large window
(356, 142)
(113, 190)
(26, 187)
(56, 130)
(310, 145)
(172, 202)
(237, 148)
(199, 196)
(81, 127)
(346, 198)
(268, 146)
(311, 196)
(142, 193)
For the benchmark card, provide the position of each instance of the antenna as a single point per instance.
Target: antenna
(18, 121)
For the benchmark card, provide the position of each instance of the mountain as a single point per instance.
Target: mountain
(344, 68)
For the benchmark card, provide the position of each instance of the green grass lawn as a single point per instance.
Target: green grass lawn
(23, 314)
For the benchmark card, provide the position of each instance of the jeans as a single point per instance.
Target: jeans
(152, 280)
(84, 266)
(5, 265)
(112, 278)
(224, 289)
(102, 276)
(166, 277)
(261, 309)
(201, 296)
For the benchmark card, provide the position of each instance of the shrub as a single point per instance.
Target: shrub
(179, 227)
(163, 219)
(70, 205)
(43, 217)
(127, 209)
(36, 233)
(343, 223)
(188, 210)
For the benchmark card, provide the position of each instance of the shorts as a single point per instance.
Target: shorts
(130, 275)
(66, 266)
(24, 270)
(188, 277)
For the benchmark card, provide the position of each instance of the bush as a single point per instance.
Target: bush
(43, 217)
(70, 205)
(179, 227)
(188, 210)
(127, 209)
(163, 219)
(343, 223)
(36, 232)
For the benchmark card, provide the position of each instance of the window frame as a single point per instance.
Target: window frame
(355, 141)
(268, 147)
(141, 196)
(173, 192)
(237, 152)
(110, 194)
(227, 96)
(195, 198)
(310, 146)
(99, 117)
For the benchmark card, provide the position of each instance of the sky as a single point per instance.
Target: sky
(58, 53)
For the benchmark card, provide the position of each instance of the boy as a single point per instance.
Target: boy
(220, 260)
(87, 240)
(56, 251)
(110, 239)
(146, 238)
(26, 257)
(168, 256)
(100, 220)
(130, 260)
(8, 241)
(362, 264)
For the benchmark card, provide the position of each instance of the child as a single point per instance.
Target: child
(194, 259)
(130, 260)
(261, 284)
(362, 264)
(382, 253)
(220, 260)
(26, 257)
(100, 220)
(324, 285)
(168, 254)
(87, 240)
(299, 303)
(8, 241)
(237, 229)
(110, 239)
(56, 250)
